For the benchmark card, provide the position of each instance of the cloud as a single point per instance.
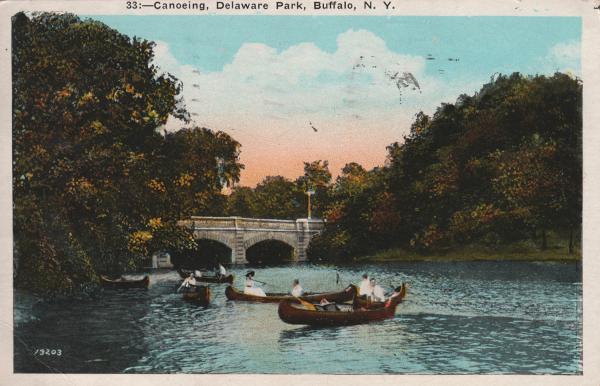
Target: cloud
(164, 59)
(564, 57)
(301, 79)
(269, 99)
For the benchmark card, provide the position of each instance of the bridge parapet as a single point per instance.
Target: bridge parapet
(310, 225)
(253, 223)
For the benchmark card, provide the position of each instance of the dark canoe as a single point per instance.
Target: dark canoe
(295, 313)
(199, 294)
(124, 283)
(207, 279)
(338, 297)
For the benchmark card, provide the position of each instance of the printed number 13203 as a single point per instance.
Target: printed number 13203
(47, 352)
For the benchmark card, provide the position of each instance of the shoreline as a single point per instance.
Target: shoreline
(472, 254)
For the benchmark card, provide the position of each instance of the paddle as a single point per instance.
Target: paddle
(307, 305)
(339, 279)
(271, 288)
(182, 284)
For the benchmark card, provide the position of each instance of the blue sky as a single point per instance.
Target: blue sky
(486, 43)
(267, 79)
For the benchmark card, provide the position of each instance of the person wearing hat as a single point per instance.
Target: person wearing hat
(378, 293)
(250, 288)
(365, 286)
(296, 288)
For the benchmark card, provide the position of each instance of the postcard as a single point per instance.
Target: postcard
(371, 192)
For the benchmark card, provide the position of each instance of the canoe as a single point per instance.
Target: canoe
(296, 313)
(197, 294)
(338, 297)
(207, 279)
(124, 283)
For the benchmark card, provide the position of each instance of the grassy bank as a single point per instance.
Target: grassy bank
(557, 250)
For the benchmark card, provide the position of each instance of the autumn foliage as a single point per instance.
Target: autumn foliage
(501, 166)
(97, 184)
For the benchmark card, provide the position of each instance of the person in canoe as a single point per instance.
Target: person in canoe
(377, 291)
(326, 305)
(188, 282)
(365, 286)
(397, 292)
(296, 288)
(250, 288)
(220, 271)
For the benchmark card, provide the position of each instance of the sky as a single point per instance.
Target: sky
(338, 88)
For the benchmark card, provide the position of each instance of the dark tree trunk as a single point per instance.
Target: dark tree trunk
(544, 243)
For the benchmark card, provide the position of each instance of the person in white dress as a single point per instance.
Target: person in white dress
(378, 291)
(188, 282)
(221, 271)
(250, 288)
(365, 286)
(296, 288)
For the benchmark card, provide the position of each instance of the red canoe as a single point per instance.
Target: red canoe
(198, 294)
(296, 313)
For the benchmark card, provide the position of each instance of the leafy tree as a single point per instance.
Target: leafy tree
(317, 178)
(242, 202)
(197, 164)
(278, 197)
(96, 187)
(499, 166)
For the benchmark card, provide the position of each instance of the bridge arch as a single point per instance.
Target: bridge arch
(239, 233)
(288, 239)
(222, 238)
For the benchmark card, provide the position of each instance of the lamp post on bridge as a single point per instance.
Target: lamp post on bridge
(309, 193)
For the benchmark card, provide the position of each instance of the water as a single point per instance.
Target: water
(458, 318)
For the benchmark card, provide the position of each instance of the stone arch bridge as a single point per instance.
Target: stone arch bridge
(239, 233)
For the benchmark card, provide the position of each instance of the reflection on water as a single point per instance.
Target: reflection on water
(459, 317)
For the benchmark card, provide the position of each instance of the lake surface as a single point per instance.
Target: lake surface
(458, 317)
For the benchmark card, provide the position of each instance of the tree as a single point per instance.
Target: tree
(278, 197)
(317, 178)
(498, 163)
(196, 164)
(496, 167)
(95, 186)
(242, 202)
